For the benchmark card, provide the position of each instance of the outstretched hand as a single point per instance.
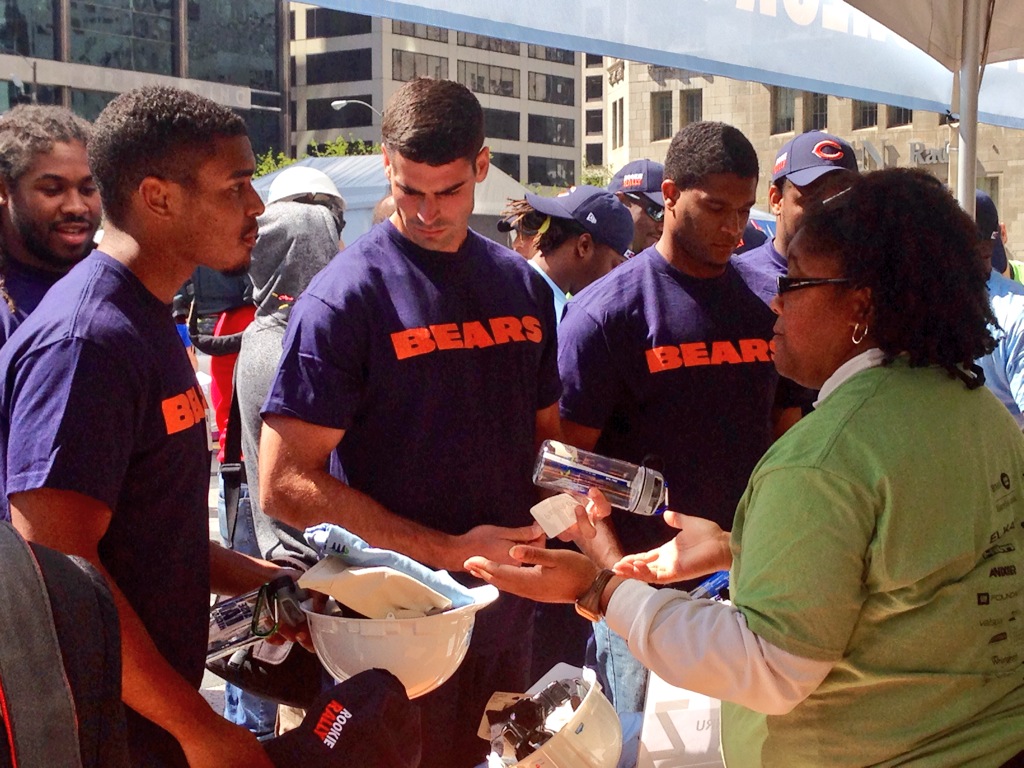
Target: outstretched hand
(701, 547)
(554, 575)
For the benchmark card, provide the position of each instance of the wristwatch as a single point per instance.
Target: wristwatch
(588, 605)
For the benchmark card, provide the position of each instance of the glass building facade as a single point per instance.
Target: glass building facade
(233, 43)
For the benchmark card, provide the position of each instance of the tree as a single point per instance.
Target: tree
(270, 161)
(596, 175)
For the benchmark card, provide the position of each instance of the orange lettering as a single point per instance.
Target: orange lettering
(771, 346)
(412, 342)
(695, 354)
(663, 359)
(195, 402)
(447, 336)
(178, 414)
(724, 352)
(475, 336)
(533, 330)
(754, 351)
(506, 329)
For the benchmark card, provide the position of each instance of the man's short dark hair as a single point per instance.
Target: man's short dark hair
(702, 149)
(434, 122)
(154, 131)
(32, 129)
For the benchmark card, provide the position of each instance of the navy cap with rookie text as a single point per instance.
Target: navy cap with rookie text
(810, 156)
(641, 177)
(598, 211)
(366, 721)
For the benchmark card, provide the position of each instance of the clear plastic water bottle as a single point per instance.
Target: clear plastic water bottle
(636, 489)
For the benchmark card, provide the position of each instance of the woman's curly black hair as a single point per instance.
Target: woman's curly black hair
(521, 216)
(900, 233)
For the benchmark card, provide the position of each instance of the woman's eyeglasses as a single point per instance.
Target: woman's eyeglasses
(655, 211)
(787, 284)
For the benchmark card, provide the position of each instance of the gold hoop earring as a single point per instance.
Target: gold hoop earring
(858, 335)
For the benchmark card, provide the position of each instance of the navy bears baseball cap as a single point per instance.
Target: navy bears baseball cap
(366, 721)
(598, 211)
(810, 156)
(987, 218)
(642, 177)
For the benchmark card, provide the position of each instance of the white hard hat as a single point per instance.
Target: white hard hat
(592, 737)
(298, 180)
(422, 652)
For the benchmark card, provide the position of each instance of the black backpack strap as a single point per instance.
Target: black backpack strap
(232, 471)
(38, 707)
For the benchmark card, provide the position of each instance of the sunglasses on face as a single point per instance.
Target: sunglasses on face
(655, 211)
(786, 284)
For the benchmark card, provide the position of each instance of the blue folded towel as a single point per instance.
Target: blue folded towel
(330, 539)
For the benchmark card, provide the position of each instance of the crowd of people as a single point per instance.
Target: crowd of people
(816, 405)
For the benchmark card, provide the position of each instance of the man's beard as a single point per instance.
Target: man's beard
(37, 246)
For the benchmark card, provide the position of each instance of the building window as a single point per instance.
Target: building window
(595, 87)
(501, 124)
(990, 186)
(407, 65)
(865, 114)
(815, 112)
(323, 22)
(595, 122)
(595, 154)
(320, 116)
(507, 162)
(550, 172)
(232, 42)
(691, 106)
(594, 60)
(339, 66)
(485, 43)
(543, 129)
(552, 89)
(558, 55)
(488, 78)
(896, 116)
(661, 116)
(27, 28)
(618, 127)
(89, 104)
(422, 31)
(783, 108)
(109, 34)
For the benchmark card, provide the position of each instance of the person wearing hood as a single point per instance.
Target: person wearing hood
(296, 241)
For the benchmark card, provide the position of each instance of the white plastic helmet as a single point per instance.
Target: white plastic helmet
(423, 652)
(298, 180)
(592, 737)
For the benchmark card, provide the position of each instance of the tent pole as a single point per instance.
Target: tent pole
(970, 64)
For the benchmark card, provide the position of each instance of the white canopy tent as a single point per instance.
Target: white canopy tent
(361, 181)
(826, 46)
(964, 37)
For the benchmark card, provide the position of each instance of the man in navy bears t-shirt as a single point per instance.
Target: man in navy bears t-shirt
(422, 363)
(667, 360)
(49, 205)
(103, 441)
(808, 169)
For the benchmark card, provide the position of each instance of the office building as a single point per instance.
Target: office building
(82, 54)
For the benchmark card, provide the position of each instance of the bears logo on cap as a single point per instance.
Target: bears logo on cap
(828, 150)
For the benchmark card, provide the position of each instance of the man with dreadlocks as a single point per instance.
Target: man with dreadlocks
(49, 206)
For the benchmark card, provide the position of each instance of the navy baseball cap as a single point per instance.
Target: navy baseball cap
(598, 211)
(640, 177)
(987, 218)
(810, 156)
(366, 720)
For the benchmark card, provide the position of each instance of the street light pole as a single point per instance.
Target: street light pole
(342, 103)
